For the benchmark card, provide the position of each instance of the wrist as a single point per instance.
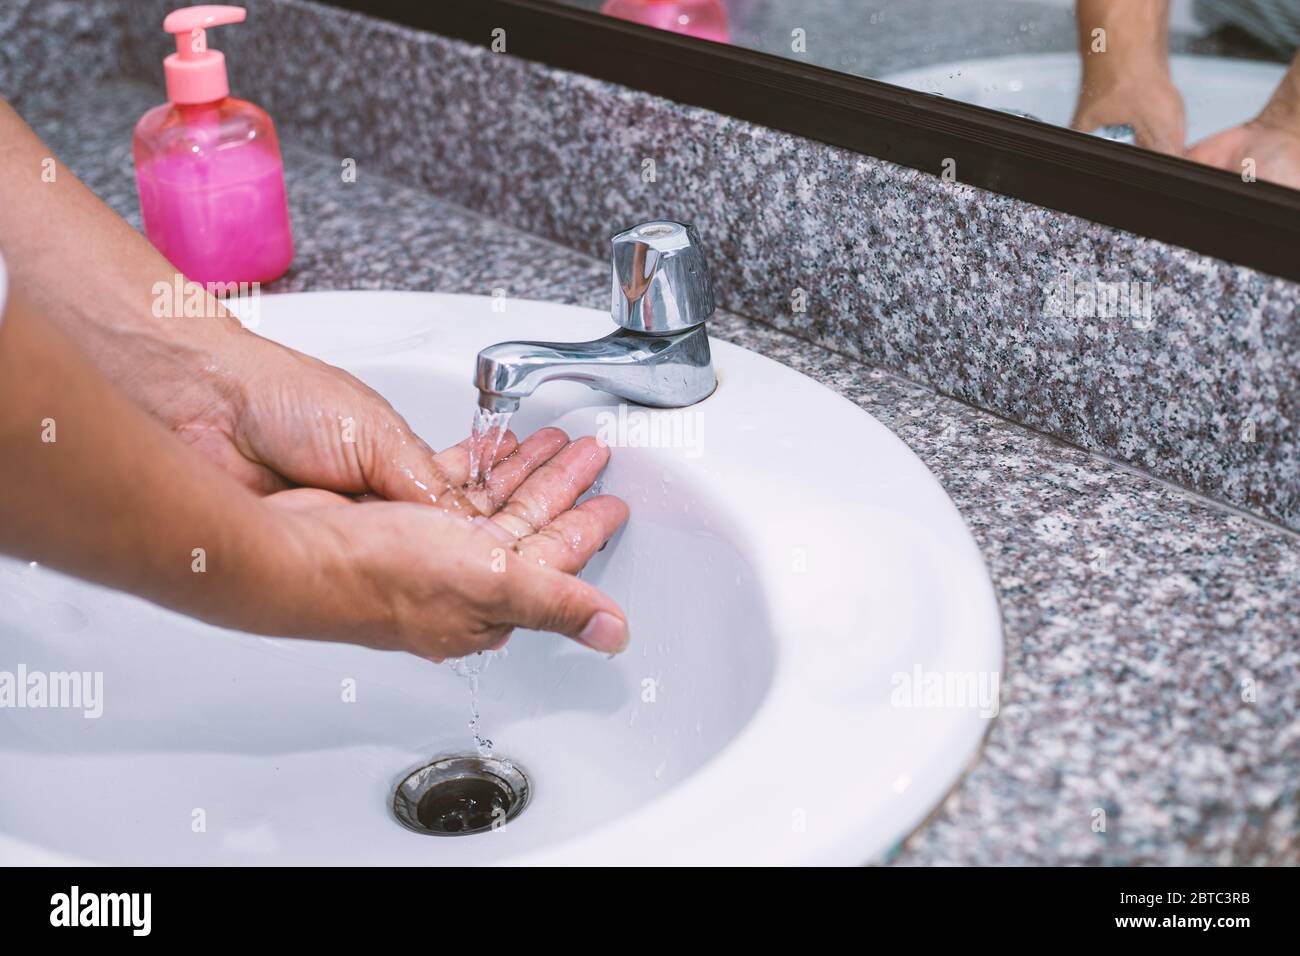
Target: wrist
(168, 352)
(1132, 73)
(1120, 39)
(1283, 108)
(277, 577)
(308, 577)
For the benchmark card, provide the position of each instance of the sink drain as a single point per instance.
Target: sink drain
(460, 795)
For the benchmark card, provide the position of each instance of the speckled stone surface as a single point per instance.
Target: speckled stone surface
(52, 45)
(939, 282)
(1134, 613)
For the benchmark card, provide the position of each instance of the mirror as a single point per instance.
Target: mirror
(1213, 81)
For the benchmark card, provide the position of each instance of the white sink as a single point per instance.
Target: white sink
(781, 576)
(1218, 92)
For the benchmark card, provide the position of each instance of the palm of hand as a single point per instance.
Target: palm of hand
(448, 587)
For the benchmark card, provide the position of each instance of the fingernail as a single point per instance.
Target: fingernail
(604, 632)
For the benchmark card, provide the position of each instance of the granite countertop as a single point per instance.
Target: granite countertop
(1152, 662)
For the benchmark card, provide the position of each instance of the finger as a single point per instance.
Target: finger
(537, 449)
(240, 465)
(545, 599)
(397, 464)
(454, 461)
(491, 639)
(570, 541)
(304, 499)
(553, 488)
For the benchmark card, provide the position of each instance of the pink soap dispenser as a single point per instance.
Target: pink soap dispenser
(706, 19)
(208, 166)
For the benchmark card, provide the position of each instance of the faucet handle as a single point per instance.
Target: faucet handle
(661, 281)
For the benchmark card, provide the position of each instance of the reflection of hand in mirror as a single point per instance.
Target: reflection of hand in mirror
(1126, 72)
(1271, 140)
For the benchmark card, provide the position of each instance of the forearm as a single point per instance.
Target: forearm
(94, 487)
(1283, 109)
(94, 276)
(1136, 35)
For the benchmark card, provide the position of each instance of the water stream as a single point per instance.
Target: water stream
(485, 437)
(471, 668)
(486, 434)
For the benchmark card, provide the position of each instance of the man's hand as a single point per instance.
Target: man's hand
(1145, 98)
(265, 414)
(1272, 139)
(404, 577)
(1275, 150)
(277, 418)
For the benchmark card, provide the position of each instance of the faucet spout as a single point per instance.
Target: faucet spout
(664, 371)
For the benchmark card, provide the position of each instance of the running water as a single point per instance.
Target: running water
(471, 667)
(484, 442)
(485, 438)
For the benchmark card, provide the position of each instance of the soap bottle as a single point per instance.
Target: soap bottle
(208, 166)
(706, 19)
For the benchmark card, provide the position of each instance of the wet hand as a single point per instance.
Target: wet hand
(1145, 98)
(284, 419)
(400, 577)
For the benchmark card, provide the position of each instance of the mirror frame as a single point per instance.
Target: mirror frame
(1166, 198)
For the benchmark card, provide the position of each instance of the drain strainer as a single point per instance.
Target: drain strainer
(460, 795)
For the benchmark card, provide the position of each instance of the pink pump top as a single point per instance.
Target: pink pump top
(194, 73)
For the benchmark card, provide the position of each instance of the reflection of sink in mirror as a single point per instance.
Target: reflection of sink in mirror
(807, 609)
(1218, 92)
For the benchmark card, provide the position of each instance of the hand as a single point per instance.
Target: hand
(1144, 97)
(273, 418)
(1272, 139)
(397, 576)
(265, 414)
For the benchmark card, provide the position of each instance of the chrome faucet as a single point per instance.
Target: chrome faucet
(659, 356)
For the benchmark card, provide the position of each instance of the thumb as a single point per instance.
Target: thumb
(545, 599)
(401, 467)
